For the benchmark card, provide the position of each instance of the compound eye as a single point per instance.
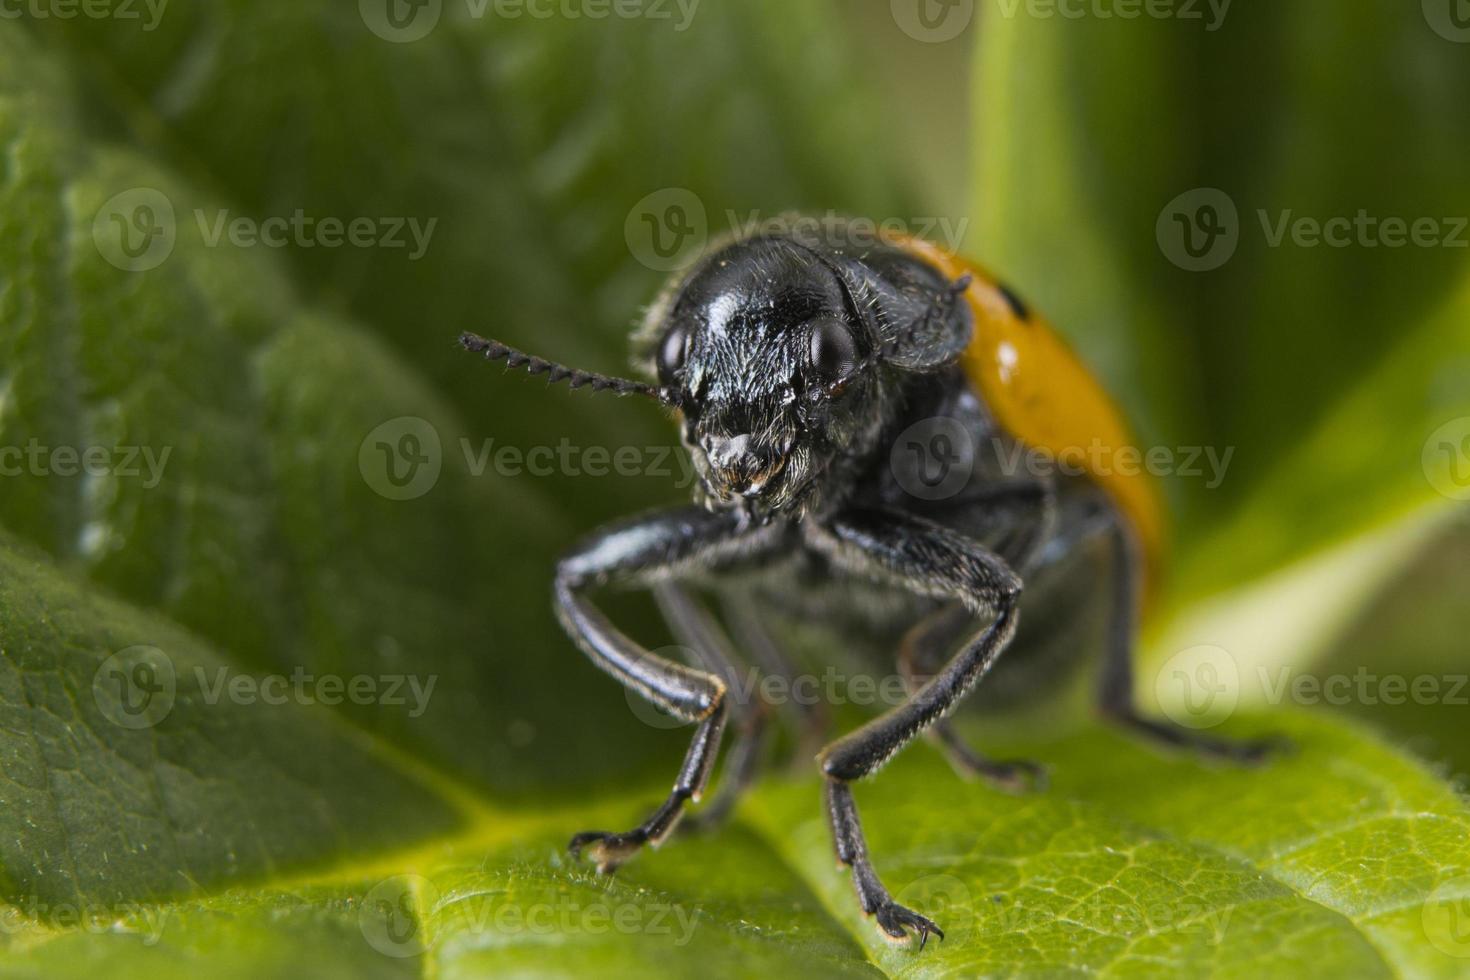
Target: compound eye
(833, 351)
(671, 354)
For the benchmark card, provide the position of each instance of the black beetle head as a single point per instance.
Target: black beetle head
(777, 371)
(785, 358)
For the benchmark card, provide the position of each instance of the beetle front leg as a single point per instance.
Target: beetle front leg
(928, 560)
(640, 553)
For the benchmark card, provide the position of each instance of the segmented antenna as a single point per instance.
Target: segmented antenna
(494, 350)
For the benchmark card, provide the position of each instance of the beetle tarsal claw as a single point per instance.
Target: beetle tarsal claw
(894, 921)
(605, 849)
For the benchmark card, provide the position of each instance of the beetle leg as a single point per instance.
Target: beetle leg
(1115, 684)
(642, 552)
(928, 560)
(807, 717)
(695, 628)
(918, 655)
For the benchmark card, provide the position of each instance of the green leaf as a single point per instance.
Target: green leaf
(1400, 658)
(281, 363)
(124, 787)
(235, 837)
(1132, 865)
(1352, 863)
(1322, 370)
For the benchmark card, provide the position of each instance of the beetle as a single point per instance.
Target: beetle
(799, 364)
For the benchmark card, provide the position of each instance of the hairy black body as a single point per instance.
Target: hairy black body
(796, 370)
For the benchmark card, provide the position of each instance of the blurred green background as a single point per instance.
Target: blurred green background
(1062, 143)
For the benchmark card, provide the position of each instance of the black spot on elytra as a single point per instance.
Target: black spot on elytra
(1018, 306)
